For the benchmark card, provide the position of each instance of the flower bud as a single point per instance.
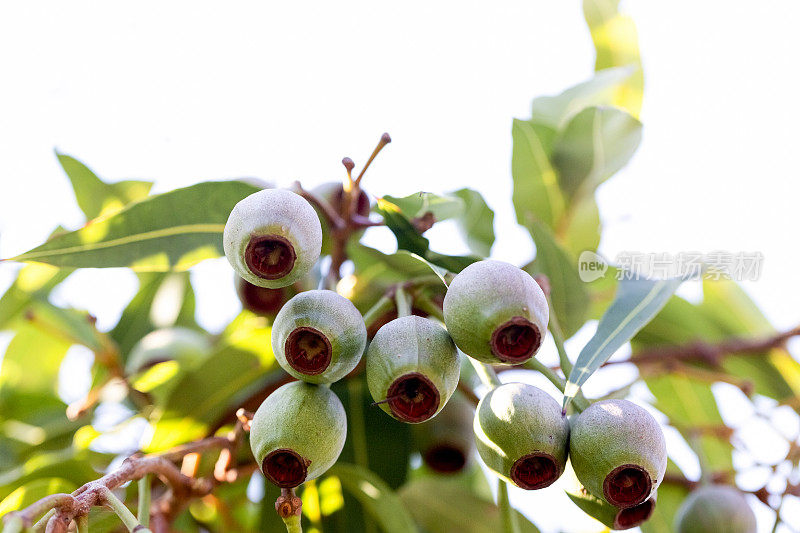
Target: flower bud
(333, 193)
(521, 435)
(272, 238)
(618, 452)
(261, 300)
(319, 336)
(412, 368)
(298, 433)
(715, 508)
(496, 313)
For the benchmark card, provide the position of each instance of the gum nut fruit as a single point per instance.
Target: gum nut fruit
(618, 452)
(446, 442)
(333, 193)
(602, 511)
(496, 313)
(183, 345)
(412, 368)
(298, 433)
(521, 435)
(715, 508)
(261, 300)
(319, 336)
(272, 238)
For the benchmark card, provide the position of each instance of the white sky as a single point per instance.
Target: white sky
(181, 92)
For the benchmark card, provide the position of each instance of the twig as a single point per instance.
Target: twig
(289, 507)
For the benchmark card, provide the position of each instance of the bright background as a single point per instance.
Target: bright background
(181, 92)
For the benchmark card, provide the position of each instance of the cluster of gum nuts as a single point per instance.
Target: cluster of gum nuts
(493, 312)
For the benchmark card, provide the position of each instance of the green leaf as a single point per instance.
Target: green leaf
(204, 393)
(34, 491)
(32, 361)
(34, 281)
(416, 205)
(600, 90)
(617, 44)
(567, 292)
(408, 238)
(476, 222)
(595, 144)
(536, 196)
(380, 502)
(95, 197)
(637, 302)
(163, 300)
(441, 506)
(670, 498)
(170, 231)
(581, 226)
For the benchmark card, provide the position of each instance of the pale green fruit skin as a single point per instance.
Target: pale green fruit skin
(332, 315)
(715, 508)
(602, 511)
(516, 419)
(613, 433)
(484, 296)
(412, 344)
(273, 212)
(183, 345)
(451, 428)
(308, 419)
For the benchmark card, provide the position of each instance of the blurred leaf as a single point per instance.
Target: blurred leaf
(33, 281)
(601, 90)
(537, 196)
(476, 222)
(33, 492)
(580, 228)
(595, 144)
(95, 197)
(670, 498)
(637, 302)
(416, 205)
(75, 466)
(567, 292)
(163, 300)
(617, 44)
(440, 506)
(205, 392)
(32, 361)
(408, 238)
(173, 230)
(72, 325)
(380, 502)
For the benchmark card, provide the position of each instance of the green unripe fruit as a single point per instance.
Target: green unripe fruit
(602, 511)
(298, 433)
(272, 238)
(412, 368)
(496, 313)
(319, 336)
(183, 345)
(446, 442)
(715, 508)
(261, 300)
(521, 435)
(618, 452)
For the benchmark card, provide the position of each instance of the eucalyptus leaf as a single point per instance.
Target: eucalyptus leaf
(34, 281)
(170, 231)
(96, 197)
(537, 196)
(476, 222)
(638, 301)
(416, 205)
(34, 491)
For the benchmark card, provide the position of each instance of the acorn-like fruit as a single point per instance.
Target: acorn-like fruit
(272, 238)
(496, 313)
(602, 511)
(715, 508)
(261, 300)
(298, 433)
(446, 442)
(412, 368)
(319, 336)
(179, 344)
(618, 452)
(521, 435)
